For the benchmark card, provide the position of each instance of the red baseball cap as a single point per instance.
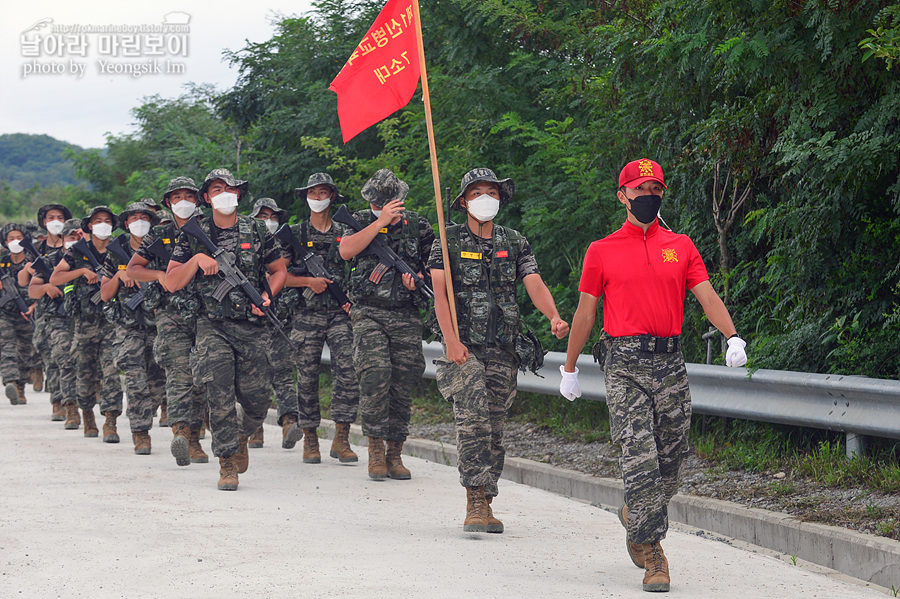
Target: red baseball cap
(638, 171)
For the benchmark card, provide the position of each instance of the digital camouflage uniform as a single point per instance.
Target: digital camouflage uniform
(232, 343)
(387, 329)
(484, 273)
(94, 339)
(651, 428)
(176, 329)
(135, 333)
(319, 319)
(15, 332)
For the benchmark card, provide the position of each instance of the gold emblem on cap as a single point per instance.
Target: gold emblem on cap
(646, 168)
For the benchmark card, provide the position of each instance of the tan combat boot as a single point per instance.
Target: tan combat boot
(635, 551)
(20, 389)
(110, 434)
(180, 446)
(59, 413)
(241, 457)
(377, 466)
(90, 424)
(656, 569)
(198, 456)
(228, 474)
(164, 414)
(37, 379)
(12, 393)
(476, 510)
(395, 467)
(141, 442)
(493, 524)
(257, 439)
(73, 418)
(290, 431)
(340, 446)
(311, 454)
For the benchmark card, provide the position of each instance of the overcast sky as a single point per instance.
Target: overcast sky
(81, 107)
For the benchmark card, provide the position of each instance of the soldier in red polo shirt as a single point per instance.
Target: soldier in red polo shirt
(642, 271)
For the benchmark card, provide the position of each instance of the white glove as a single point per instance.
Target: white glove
(735, 355)
(568, 386)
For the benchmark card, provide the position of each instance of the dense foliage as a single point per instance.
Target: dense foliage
(776, 122)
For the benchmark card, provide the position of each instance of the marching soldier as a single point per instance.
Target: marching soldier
(94, 340)
(16, 328)
(387, 328)
(231, 337)
(321, 319)
(135, 329)
(478, 371)
(176, 325)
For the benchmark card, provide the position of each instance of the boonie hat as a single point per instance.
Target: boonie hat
(271, 205)
(134, 208)
(507, 187)
(93, 212)
(383, 187)
(225, 175)
(43, 210)
(179, 183)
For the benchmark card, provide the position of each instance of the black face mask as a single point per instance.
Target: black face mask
(646, 208)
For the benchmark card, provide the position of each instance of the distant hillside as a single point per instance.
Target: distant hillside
(26, 160)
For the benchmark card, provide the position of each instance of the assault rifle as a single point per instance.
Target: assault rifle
(44, 272)
(232, 275)
(82, 246)
(314, 264)
(158, 249)
(387, 257)
(115, 246)
(10, 293)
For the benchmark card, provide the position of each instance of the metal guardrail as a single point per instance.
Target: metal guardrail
(855, 405)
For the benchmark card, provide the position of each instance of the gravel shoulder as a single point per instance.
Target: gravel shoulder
(861, 510)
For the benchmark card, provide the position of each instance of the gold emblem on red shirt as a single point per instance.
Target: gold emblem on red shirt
(669, 255)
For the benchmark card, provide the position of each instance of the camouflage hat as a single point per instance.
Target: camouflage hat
(320, 179)
(383, 187)
(135, 208)
(179, 183)
(72, 225)
(32, 229)
(93, 212)
(271, 205)
(43, 210)
(225, 175)
(165, 217)
(11, 227)
(151, 203)
(506, 186)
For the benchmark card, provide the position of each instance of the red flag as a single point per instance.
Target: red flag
(381, 75)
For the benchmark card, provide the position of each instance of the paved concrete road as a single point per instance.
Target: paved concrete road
(82, 518)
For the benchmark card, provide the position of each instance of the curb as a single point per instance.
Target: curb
(871, 559)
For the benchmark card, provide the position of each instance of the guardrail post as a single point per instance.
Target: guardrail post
(856, 445)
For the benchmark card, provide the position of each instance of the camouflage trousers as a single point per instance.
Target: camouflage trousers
(312, 330)
(173, 351)
(282, 364)
(42, 343)
(482, 391)
(62, 336)
(95, 364)
(387, 354)
(232, 363)
(145, 381)
(650, 416)
(15, 348)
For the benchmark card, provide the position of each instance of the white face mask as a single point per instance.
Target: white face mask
(319, 205)
(484, 207)
(101, 230)
(272, 226)
(184, 209)
(139, 228)
(15, 246)
(226, 202)
(377, 213)
(69, 244)
(55, 227)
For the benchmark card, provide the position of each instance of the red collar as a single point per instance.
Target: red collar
(635, 231)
